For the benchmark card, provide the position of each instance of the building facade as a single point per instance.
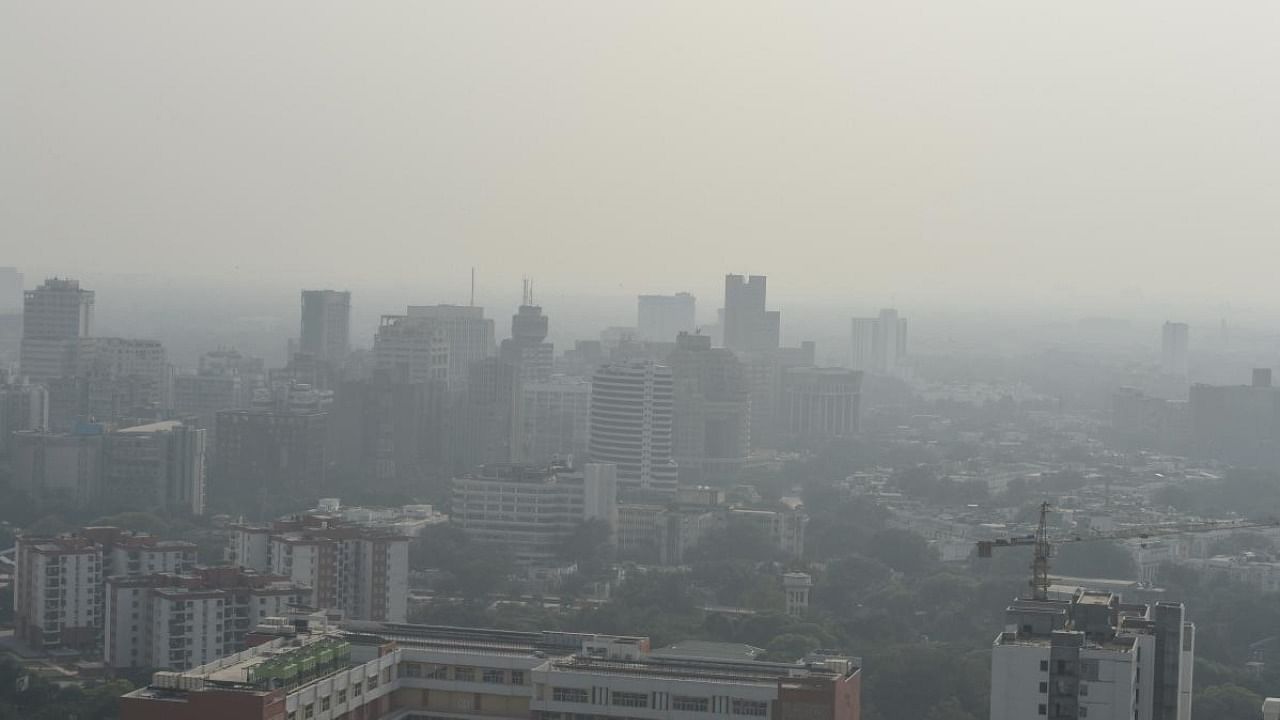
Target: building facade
(820, 403)
(631, 421)
(555, 420)
(326, 325)
(711, 415)
(156, 466)
(55, 316)
(261, 452)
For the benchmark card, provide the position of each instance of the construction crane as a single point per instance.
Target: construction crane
(1043, 545)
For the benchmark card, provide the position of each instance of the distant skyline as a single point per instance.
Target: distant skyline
(920, 149)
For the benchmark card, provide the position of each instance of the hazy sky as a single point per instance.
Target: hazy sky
(894, 147)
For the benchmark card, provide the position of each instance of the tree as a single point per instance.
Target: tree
(790, 647)
(590, 547)
(1226, 702)
(903, 551)
(949, 709)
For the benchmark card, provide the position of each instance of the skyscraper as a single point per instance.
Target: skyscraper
(712, 411)
(527, 349)
(411, 349)
(159, 466)
(660, 318)
(326, 324)
(631, 414)
(467, 331)
(747, 324)
(879, 344)
(55, 317)
(1175, 342)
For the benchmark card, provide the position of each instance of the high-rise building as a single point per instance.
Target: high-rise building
(820, 403)
(302, 667)
(748, 325)
(175, 621)
(489, 416)
(879, 344)
(57, 468)
(411, 349)
(765, 371)
(10, 316)
(660, 318)
(468, 333)
(631, 416)
(326, 325)
(1175, 341)
(260, 454)
(58, 581)
(1088, 654)
(23, 407)
(55, 317)
(555, 420)
(124, 377)
(361, 571)
(527, 349)
(156, 466)
(387, 430)
(1236, 424)
(532, 511)
(711, 419)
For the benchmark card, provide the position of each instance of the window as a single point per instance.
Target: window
(1084, 690)
(342, 696)
(517, 677)
(689, 704)
(412, 670)
(757, 708)
(1044, 709)
(438, 672)
(386, 674)
(1044, 687)
(464, 674)
(309, 711)
(356, 689)
(492, 675)
(371, 681)
(626, 699)
(1084, 711)
(324, 703)
(1044, 666)
(572, 695)
(292, 715)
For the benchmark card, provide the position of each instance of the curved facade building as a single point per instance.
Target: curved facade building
(631, 410)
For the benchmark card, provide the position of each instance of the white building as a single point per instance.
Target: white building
(631, 427)
(1093, 656)
(880, 343)
(411, 349)
(532, 511)
(56, 593)
(361, 571)
(468, 333)
(174, 622)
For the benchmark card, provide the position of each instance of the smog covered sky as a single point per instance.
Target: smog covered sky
(962, 149)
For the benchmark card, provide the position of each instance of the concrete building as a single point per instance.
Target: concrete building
(1237, 424)
(786, 528)
(386, 430)
(748, 325)
(378, 671)
(159, 466)
(490, 417)
(55, 317)
(411, 349)
(469, 334)
(765, 372)
(661, 318)
(23, 407)
(711, 417)
(555, 420)
(532, 511)
(224, 380)
(326, 325)
(1175, 341)
(662, 534)
(59, 469)
(363, 572)
(261, 453)
(879, 344)
(58, 583)
(820, 403)
(631, 416)
(527, 349)
(1093, 656)
(797, 585)
(11, 290)
(173, 621)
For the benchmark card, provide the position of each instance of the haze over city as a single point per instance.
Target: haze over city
(639, 361)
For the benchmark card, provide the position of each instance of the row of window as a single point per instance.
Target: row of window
(357, 689)
(738, 706)
(463, 673)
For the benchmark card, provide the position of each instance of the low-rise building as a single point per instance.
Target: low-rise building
(376, 671)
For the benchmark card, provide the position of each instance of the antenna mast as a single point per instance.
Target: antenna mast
(1040, 561)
